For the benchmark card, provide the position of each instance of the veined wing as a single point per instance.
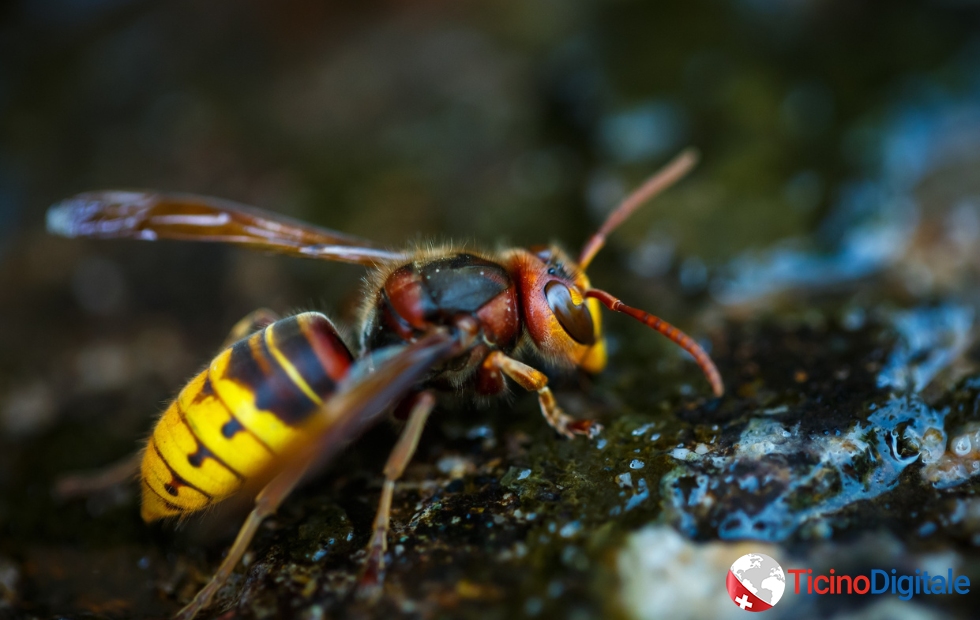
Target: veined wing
(150, 216)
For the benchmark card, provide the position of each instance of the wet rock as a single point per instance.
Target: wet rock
(664, 575)
(930, 340)
(825, 251)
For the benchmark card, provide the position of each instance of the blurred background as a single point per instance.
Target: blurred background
(840, 141)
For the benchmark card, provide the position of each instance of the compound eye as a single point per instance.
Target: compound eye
(574, 318)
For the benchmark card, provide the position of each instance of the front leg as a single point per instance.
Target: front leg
(533, 379)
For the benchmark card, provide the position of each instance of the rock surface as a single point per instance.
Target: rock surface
(826, 252)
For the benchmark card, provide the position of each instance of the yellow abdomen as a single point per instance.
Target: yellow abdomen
(232, 420)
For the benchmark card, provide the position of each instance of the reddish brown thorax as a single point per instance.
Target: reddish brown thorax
(437, 292)
(536, 292)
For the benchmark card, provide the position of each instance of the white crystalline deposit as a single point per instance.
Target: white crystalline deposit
(664, 575)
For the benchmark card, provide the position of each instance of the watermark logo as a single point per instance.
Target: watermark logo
(880, 582)
(756, 582)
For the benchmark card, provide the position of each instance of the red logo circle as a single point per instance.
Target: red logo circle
(756, 582)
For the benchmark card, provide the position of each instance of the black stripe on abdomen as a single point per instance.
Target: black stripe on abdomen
(176, 481)
(293, 343)
(252, 366)
(196, 458)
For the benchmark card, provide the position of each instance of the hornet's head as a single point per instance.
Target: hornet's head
(563, 324)
(560, 306)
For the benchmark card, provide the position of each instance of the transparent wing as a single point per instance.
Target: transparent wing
(150, 216)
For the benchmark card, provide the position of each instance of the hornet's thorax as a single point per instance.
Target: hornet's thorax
(522, 300)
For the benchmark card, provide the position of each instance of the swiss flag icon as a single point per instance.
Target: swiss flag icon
(743, 597)
(755, 582)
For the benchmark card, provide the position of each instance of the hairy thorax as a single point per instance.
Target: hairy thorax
(438, 291)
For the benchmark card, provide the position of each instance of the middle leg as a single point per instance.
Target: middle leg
(372, 576)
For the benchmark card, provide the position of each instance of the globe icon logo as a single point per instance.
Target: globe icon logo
(756, 582)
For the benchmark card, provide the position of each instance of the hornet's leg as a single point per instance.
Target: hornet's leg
(345, 415)
(531, 379)
(251, 323)
(266, 503)
(87, 483)
(372, 576)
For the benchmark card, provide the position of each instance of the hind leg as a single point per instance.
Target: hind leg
(82, 484)
(251, 323)
(266, 503)
(86, 483)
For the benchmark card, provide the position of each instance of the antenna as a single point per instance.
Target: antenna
(661, 180)
(683, 340)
